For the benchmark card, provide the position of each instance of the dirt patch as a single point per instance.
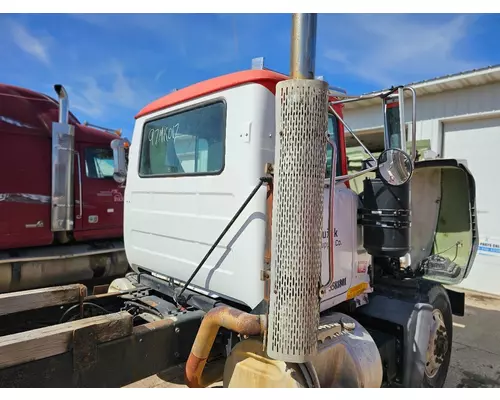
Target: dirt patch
(472, 380)
(482, 301)
(170, 378)
(478, 299)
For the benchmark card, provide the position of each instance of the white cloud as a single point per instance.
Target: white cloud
(107, 92)
(395, 49)
(159, 75)
(27, 42)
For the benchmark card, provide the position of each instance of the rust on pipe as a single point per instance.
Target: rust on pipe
(219, 317)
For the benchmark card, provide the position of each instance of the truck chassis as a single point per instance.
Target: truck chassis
(62, 337)
(107, 350)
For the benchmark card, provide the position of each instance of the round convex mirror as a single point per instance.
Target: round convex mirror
(395, 167)
(119, 178)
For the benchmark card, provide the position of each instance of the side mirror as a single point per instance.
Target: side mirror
(395, 167)
(120, 148)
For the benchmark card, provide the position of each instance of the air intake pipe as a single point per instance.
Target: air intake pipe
(63, 156)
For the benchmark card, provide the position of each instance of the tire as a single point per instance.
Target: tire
(438, 297)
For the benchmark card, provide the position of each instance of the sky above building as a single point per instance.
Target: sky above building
(113, 65)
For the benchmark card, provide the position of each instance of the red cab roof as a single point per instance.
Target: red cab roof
(22, 108)
(268, 79)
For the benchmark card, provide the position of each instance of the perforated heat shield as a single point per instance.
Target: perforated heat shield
(300, 162)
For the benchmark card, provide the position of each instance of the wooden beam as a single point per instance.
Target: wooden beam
(150, 349)
(57, 339)
(25, 300)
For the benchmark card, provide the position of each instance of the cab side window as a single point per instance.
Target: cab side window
(189, 142)
(333, 129)
(99, 163)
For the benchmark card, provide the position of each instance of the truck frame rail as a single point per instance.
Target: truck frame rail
(108, 350)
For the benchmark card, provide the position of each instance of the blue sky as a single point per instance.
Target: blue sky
(114, 64)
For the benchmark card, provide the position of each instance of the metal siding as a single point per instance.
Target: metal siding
(477, 141)
(432, 110)
(364, 118)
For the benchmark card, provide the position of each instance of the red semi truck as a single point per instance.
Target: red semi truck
(61, 206)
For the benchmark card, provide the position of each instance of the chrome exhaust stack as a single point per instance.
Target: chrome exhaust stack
(63, 103)
(63, 158)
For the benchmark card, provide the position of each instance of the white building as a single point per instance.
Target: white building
(459, 115)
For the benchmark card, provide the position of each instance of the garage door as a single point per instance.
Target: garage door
(478, 142)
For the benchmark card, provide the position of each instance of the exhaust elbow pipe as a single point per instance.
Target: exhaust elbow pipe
(63, 103)
(219, 317)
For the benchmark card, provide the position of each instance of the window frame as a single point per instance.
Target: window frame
(389, 131)
(338, 167)
(196, 106)
(92, 148)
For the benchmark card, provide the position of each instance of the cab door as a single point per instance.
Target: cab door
(102, 195)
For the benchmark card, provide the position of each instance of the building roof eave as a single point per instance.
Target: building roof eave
(462, 80)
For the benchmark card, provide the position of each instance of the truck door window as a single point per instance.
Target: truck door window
(393, 125)
(333, 129)
(99, 163)
(189, 142)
